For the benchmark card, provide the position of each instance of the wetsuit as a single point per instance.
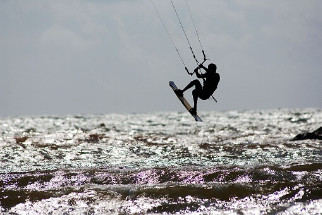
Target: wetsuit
(211, 80)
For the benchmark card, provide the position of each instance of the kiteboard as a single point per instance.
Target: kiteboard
(184, 101)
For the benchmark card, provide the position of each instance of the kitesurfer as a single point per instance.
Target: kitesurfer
(210, 82)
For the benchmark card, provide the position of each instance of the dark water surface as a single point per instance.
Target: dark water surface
(233, 163)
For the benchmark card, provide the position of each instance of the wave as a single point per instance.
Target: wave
(236, 162)
(296, 183)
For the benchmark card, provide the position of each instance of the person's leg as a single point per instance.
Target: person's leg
(196, 94)
(195, 83)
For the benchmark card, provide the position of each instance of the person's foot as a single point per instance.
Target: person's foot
(193, 111)
(179, 92)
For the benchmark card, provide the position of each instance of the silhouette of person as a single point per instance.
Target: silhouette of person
(210, 82)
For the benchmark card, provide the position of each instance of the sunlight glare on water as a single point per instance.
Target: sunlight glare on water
(236, 162)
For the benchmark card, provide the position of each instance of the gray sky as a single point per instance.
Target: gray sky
(74, 57)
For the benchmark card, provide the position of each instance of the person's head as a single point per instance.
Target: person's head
(212, 67)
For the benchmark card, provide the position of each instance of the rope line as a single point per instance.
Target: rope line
(166, 29)
(194, 25)
(193, 54)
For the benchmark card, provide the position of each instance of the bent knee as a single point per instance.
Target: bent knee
(196, 81)
(197, 84)
(196, 93)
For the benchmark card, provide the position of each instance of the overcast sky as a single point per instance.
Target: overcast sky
(114, 56)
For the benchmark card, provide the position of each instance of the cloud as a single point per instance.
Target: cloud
(59, 36)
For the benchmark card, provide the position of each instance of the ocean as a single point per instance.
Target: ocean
(235, 162)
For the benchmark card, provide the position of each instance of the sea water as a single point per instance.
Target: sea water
(235, 162)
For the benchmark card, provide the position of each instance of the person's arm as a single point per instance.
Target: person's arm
(203, 67)
(197, 72)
